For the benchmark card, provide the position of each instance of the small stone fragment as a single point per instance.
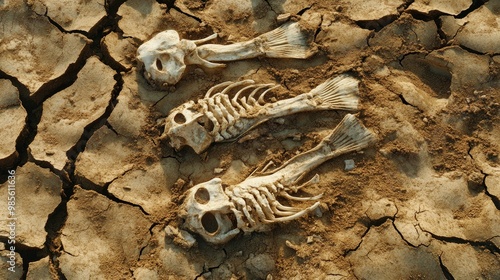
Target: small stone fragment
(279, 120)
(318, 212)
(281, 18)
(349, 164)
(181, 237)
(310, 239)
(291, 245)
(260, 265)
(218, 170)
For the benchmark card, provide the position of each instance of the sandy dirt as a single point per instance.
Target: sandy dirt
(95, 186)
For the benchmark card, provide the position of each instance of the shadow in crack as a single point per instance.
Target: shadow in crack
(432, 72)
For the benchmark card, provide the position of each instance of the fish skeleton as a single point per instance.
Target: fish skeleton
(219, 212)
(223, 115)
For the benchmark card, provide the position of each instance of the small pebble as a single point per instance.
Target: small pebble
(199, 71)
(349, 164)
(318, 213)
(309, 240)
(260, 265)
(283, 17)
(218, 170)
(279, 120)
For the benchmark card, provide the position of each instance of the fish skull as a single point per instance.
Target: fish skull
(163, 58)
(186, 125)
(208, 212)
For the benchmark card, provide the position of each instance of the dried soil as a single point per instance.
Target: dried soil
(96, 186)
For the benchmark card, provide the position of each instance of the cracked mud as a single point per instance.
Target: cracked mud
(96, 187)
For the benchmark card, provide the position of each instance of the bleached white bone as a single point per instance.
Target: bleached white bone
(165, 56)
(220, 117)
(219, 213)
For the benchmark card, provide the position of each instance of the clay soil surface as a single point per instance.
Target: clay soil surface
(95, 186)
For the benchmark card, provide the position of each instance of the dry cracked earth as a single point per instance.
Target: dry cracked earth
(95, 187)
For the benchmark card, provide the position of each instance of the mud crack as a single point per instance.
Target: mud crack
(369, 224)
(476, 4)
(377, 24)
(209, 269)
(446, 271)
(488, 244)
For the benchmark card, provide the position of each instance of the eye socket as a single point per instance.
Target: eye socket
(206, 123)
(209, 223)
(179, 118)
(202, 196)
(159, 65)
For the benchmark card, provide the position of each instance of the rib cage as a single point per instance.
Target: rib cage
(227, 113)
(258, 206)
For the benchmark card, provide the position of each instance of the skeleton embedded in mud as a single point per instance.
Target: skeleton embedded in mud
(218, 213)
(218, 117)
(165, 56)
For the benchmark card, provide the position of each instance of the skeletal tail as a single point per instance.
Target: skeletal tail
(349, 135)
(287, 41)
(340, 93)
